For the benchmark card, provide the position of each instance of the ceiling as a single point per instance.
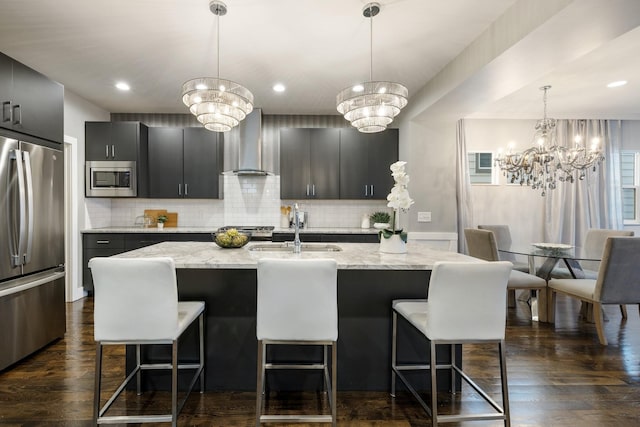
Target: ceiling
(314, 47)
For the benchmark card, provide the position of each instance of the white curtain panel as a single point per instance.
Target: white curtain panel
(463, 186)
(595, 201)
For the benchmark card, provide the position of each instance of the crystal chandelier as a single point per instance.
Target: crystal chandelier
(371, 106)
(546, 162)
(218, 104)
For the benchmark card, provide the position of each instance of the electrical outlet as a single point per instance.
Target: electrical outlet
(424, 216)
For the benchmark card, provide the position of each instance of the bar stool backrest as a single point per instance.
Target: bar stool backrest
(297, 300)
(134, 299)
(467, 301)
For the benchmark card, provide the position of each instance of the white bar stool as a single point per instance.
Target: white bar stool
(297, 304)
(136, 303)
(466, 303)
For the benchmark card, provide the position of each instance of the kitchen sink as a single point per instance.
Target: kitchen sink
(288, 247)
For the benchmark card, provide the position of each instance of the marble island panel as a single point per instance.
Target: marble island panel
(354, 256)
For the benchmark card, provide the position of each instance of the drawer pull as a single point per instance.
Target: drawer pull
(103, 242)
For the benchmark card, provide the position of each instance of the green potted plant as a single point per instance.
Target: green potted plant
(160, 220)
(380, 219)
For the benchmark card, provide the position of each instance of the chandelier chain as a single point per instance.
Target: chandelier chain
(370, 42)
(218, 44)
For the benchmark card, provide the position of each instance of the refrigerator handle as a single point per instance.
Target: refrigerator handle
(29, 188)
(16, 259)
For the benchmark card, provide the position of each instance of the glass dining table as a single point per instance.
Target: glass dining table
(550, 254)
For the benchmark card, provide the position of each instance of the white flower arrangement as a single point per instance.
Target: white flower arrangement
(398, 197)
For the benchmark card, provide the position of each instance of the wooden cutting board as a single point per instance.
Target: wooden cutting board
(153, 213)
(173, 219)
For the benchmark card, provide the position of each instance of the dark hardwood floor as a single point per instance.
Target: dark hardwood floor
(558, 376)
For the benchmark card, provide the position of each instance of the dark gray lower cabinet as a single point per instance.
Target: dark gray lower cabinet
(108, 244)
(328, 237)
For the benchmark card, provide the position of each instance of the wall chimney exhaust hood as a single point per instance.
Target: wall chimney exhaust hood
(243, 147)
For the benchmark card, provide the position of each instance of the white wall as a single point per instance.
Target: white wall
(520, 207)
(76, 111)
(521, 48)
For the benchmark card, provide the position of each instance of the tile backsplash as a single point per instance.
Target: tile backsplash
(247, 201)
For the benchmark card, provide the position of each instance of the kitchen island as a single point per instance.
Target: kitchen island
(367, 283)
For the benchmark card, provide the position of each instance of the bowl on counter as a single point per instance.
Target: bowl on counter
(231, 239)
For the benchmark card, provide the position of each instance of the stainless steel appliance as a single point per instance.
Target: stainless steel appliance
(32, 308)
(257, 232)
(111, 179)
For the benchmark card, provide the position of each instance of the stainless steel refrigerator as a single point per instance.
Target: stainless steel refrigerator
(32, 285)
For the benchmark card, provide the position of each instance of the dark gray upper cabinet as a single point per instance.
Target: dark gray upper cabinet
(309, 163)
(364, 163)
(165, 162)
(202, 163)
(114, 140)
(184, 163)
(31, 103)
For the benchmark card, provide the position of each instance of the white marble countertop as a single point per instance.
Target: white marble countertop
(326, 230)
(354, 256)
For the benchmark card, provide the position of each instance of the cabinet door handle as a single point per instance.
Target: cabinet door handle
(371, 190)
(186, 189)
(179, 189)
(6, 107)
(18, 120)
(103, 242)
(307, 189)
(106, 151)
(313, 190)
(366, 190)
(113, 151)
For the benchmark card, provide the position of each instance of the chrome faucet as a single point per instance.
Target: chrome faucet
(296, 222)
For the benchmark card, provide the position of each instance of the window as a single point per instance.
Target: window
(481, 169)
(630, 179)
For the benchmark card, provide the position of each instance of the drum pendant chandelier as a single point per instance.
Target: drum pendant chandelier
(218, 104)
(371, 106)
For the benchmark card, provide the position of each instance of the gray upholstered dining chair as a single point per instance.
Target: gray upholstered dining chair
(618, 281)
(503, 239)
(594, 243)
(466, 303)
(482, 244)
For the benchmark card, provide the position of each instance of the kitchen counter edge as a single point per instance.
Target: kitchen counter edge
(321, 230)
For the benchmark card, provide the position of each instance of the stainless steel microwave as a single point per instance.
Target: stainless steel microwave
(110, 179)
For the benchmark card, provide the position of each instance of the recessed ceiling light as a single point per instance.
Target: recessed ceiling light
(279, 87)
(617, 84)
(123, 86)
